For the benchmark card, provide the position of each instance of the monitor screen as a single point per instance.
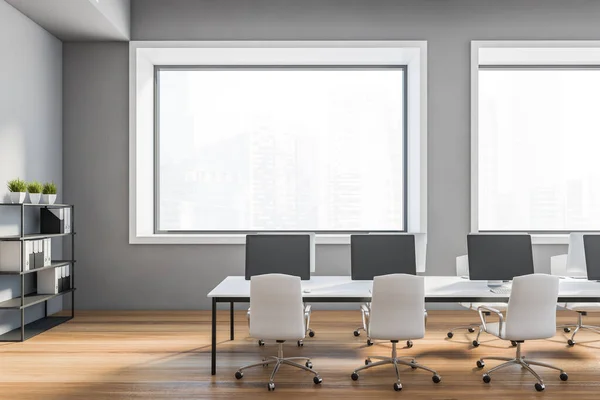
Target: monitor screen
(373, 255)
(281, 254)
(499, 257)
(591, 245)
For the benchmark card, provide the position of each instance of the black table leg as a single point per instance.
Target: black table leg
(213, 354)
(231, 334)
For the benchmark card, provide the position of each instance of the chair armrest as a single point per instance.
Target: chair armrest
(307, 309)
(483, 309)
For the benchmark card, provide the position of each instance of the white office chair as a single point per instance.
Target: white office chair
(531, 315)
(421, 260)
(309, 332)
(462, 269)
(277, 313)
(396, 313)
(573, 264)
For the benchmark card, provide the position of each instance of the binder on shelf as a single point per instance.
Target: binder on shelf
(47, 252)
(48, 281)
(67, 220)
(10, 256)
(38, 257)
(67, 284)
(55, 220)
(61, 281)
(28, 257)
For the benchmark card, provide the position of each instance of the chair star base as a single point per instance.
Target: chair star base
(578, 327)
(280, 360)
(524, 363)
(395, 361)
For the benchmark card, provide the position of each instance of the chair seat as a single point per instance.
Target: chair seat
(591, 307)
(492, 328)
(474, 306)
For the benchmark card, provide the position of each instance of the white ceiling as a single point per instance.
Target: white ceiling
(79, 20)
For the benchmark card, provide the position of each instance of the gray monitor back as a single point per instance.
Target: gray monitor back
(374, 255)
(499, 257)
(591, 245)
(281, 254)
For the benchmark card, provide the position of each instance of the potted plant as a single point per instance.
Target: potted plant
(49, 193)
(35, 191)
(18, 190)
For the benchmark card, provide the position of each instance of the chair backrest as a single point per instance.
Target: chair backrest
(576, 265)
(397, 307)
(276, 308)
(531, 310)
(462, 265)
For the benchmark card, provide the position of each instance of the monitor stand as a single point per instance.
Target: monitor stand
(493, 284)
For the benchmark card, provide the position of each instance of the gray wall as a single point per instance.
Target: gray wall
(114, 274)
(30, 125)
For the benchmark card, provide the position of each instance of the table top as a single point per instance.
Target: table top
(437, 289)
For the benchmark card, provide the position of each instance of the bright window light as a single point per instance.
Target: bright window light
(302, 148)
(538, 143)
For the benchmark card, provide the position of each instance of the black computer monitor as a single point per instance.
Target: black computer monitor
(373, 255)
(591, 247)
(499, 257)
(281, 254)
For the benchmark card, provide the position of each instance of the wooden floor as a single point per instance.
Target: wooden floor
(166, 355)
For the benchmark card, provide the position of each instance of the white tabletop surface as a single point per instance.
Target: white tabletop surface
(435, 286)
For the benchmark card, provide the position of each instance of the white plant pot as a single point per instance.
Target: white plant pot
(17, 197)
(34, 198)
(48, 198)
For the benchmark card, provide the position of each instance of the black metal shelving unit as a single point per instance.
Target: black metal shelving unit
(22, 302)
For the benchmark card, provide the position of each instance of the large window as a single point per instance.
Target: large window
(281, 148)
(230, 137)
(538, 166)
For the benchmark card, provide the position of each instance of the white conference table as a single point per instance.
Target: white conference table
(342, 289)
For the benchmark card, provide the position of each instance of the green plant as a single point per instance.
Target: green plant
(35, 187)
(49, 188)
(17, 185)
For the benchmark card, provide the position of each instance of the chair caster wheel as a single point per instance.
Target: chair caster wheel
(571, 342)
(450, 335)
(397, 387)
(539, 387)
(308, 364)
(564, 376)
(436, 378)
(239, 375)
(271, 386)
(486, 378)
(367, 361)
(480, 364)
(413, 366)
(513, 343)
(354, 376)
(357, 333)
(471, 330)
(311, 333)
(409, 343)
(475, 343)
(261, 343)
(369, 342)
(317, 380)
(567, 330)
(300, 343)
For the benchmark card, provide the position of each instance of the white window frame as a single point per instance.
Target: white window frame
(144, 55)
(520, 52)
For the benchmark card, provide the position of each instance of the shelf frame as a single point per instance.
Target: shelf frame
(26, 331)
(54, 264)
